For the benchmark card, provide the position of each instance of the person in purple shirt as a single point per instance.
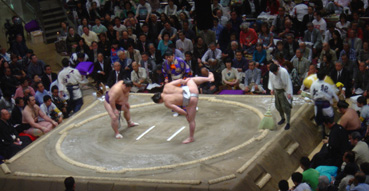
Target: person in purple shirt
(174, 68)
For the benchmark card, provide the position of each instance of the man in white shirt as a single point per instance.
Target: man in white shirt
(319, 23)
(69, 80)
(280, 85)
(143, 10)
(184, 44)
(50, 109)
(138, 78)
(89, 36)
(322, 94)
(213, 52)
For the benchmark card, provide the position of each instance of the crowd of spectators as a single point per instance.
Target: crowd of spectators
(150, 41)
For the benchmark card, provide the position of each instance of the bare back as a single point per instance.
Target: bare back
(172, 94)
(350, 120)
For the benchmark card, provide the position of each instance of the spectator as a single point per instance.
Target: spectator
(89, 36)
(40, 93)
(26, 60)
(192, 63)
(163, 44)
(111, 33)
(16, 117)
(349, 171)
(208, 87)
(364, 53)
(283, 185)
(59, 102)
(154, 28)
(336, 43)
(116, 74)
(288, 29)
(313, 36)
(171, 8)
(240, 62)
(133, 54)
(69, 184)
(310, 175)
(319, 23)
(23, 86)
(308, 18)
(30, 115)
(200, 48)
(155, 54)
(184, 44)
(259, 56)
(77, 58)
(295, 78)
(342, 25)
(36, 67)
(126, 64)
(361, 81)
(350, 119)
(138, 78)
(231, 53)
(142, 43)
(119, 28)
(168, 29)
(50, 109)
(301, 64)
(364, 112)
(84, 23)
(72, 40)
(265, 36)
(148, 64)
(248, 38)
(95, 11)
(7, 102)
(102, 69)
(230, 77)
(278, 22)
(212, 53)
(19, 46)
(365, 169)
(82, 47)
(279, 52)
(10, 142)
(49, 77)
(114, 51)
(158, 77)
(98, 28)
(104, 45)
(341, 74)
(225, 36)
(64, 30)
(8, 81)
(69, 80)
(349, 52)
(358, 183)
(327, 50)
(360, 148)
(354, 42)
(297, 180)
(81, 12)
(252, 80)
(94, 52)
(143, 10)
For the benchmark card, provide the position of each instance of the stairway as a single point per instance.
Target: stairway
(52, 13)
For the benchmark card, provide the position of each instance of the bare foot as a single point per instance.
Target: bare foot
(118, 136)
(132, 124)
(211, 77)
(188, 140)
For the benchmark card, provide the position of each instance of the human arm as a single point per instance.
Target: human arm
(46, 118)
(176, 108)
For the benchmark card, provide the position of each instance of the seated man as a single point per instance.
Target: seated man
(138, 77)
(31, 113)
(116, 74)
(360, 148)
(59, 102)
(350, 119)
(252, 80)
(116, 100)
(361, 81)
(207, 87)
(364, 112)
(185, 96)
(7, 102)
(40, 93)
(212, 53)
(102, 69)
(10, 142)
(23, 85)
(50, 109)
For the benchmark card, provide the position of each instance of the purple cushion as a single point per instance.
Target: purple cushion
(231, 92)
(85, 68)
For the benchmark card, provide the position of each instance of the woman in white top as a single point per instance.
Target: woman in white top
(230, 77)
(343, 25)
(171, 8)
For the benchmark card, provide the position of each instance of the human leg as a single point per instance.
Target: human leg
(278, 106)
(77, 105)
(191, 114)
(200, 80)
(34, 132)
(114, 120)
(47, 126)
(127, 115)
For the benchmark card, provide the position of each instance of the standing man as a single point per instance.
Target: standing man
(186, 96)
(323, 93)
(69, 80)
(116, 100)
(280, 85)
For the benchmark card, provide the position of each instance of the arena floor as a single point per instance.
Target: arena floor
(151, 156)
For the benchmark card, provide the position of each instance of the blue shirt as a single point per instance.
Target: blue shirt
(259, 56)
(39, 96)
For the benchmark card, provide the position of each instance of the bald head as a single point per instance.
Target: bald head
(5, 115)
